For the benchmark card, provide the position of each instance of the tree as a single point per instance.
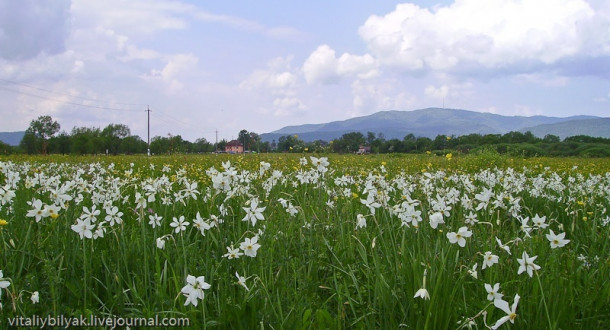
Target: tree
(244, 138)
(202, 145)
(349, 142)
(290, 143)
(86, 140)
(409, 142)
(5, 149)
(29, 143)
(60, 144)
(42, 129)
(133, 144)
(255, 141)
(370, 138)
(112, 135)
(550, 138)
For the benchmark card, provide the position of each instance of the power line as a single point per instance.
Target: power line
(66, 102)
(60, 93)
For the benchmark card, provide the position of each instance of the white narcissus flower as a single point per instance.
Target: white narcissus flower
(557, 240)
(493, 293)
(503, 246)
(179, 224)
(527, 264)
(3, 283)
(241, 280)
(37, 212)
(360, 221)
(422, 293)
(90, 214)
(83, 228)
(471, 219)
(254, 213)
(489, 259)
(511, 313)
(160, 243)
(435, 219)
(193, 290)
(460, 236)
(232, 253)
(154, 220)
(113, 215)
(473, 271)
(250, 246)
(35, 297)
(539, 221)
(201, 224)
(370, 203)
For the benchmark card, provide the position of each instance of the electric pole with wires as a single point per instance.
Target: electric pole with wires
(148, 110)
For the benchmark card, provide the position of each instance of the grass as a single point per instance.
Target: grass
(315, 269)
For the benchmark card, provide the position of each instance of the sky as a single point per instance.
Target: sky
(209, 69)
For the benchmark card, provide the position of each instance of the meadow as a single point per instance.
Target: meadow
(300, 241)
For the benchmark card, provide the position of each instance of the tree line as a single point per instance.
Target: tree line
(43, 136)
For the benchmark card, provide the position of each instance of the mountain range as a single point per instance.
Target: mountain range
(431, 122)
(11, 138)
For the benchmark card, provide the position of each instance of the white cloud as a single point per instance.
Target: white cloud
(134, 17)
(268, 79)
(487, 35)
(525, 110)
(379, 95)
(322, 66)
(543, 79)
(171, 73)
(437, 92)
(285, 106)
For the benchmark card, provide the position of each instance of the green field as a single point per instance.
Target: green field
(290, 241)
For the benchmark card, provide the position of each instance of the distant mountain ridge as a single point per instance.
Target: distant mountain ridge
(12, 138)
(598, 127)
(431, 122)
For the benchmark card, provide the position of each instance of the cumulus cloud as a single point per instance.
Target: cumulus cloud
(278, 77)
(277, 82)
(285, 106)
(268, 79)
(176, 66)
(29, 28)
(488, 35)
(323, 66)
(371, 96)
(437, 92)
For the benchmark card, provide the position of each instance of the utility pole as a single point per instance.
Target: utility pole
(216, 144)
(148, 110)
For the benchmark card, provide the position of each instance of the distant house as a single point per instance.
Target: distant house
(234, 147)
(364, 150)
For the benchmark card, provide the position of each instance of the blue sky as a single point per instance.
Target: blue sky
(204, 66)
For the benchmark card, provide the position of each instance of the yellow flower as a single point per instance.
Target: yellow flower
(3, 222)
(354, 195)
(448, 156)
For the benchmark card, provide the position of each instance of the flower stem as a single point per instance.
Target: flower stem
(546, 308)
